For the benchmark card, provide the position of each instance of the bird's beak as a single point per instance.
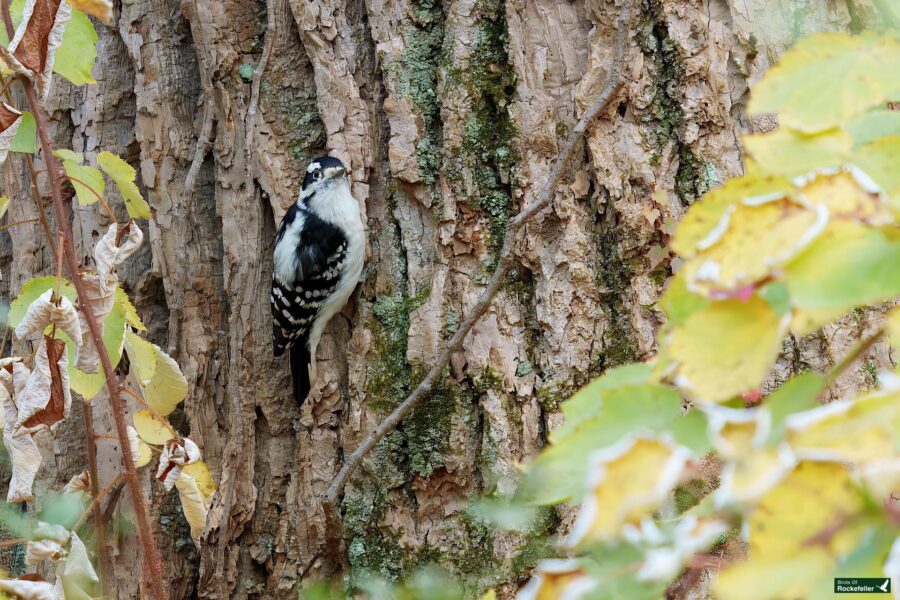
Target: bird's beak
(336, 172)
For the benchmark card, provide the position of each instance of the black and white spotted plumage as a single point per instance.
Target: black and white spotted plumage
(318, 262)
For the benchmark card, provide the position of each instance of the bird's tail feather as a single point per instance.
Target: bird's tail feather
(300, 359)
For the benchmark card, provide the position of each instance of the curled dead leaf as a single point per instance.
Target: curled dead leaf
(79, 485)
(38, 550)
(23, 452)
(102, 9)
(175, 456)
(32, 590)
(140, 452)
(118, 243)
(44, 311)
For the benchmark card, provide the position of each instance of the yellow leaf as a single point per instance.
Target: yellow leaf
(168, 386)
(790, 153)
(199, 470)
(131, 314)
(726, 348)
(193, 505)
(489, 595)
(829, 498)
(708, 218)
(786, 579)
(102, 9)
(142, 355)
(809, 87)
(758, 240)
(152, 429)
(4, 205)
(162, 383)
(123, 176)
(857, 431)
(849, 195)
(750, 469)
(628, 481)
(797, 533)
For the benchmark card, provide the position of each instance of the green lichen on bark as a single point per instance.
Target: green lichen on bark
(665, 113)
(299, 116)
(418, 80)
(482, 165)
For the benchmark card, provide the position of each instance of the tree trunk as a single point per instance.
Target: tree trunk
(449, 114)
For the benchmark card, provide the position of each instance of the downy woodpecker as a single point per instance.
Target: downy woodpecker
(319, 251)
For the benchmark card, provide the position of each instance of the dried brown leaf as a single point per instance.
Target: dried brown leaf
(46, 399)
(38, 36)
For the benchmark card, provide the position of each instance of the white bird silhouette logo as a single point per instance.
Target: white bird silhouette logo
(884, 586)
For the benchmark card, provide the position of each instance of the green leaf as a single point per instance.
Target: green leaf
(559, 473)
(691, 431)
(74, 58)
(848, 265)
(879, 161)
(778, 296)
(614, 567)
(586, 403)
(827, 78)
(866, 560)
(123, 176)
(503, 513)
(872, 125)
(31, 290)
(84, 174)
(66, 154)
(789, 152)
(795, 395)
(25, 140)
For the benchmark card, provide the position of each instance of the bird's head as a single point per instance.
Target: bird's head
(322, 173)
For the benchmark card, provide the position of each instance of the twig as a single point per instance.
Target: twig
(95, 502)
(151, 553)
(33, 176)
(851, 357)
(12, 542)
(332, 518)
(25, 222)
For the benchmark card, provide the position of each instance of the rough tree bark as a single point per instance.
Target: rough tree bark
(449, 114)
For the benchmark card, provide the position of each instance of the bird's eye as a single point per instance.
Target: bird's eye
(317, 175)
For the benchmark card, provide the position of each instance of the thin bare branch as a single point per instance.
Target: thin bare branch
(613, 84)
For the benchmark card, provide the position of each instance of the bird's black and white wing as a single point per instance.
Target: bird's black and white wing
(309, 258)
